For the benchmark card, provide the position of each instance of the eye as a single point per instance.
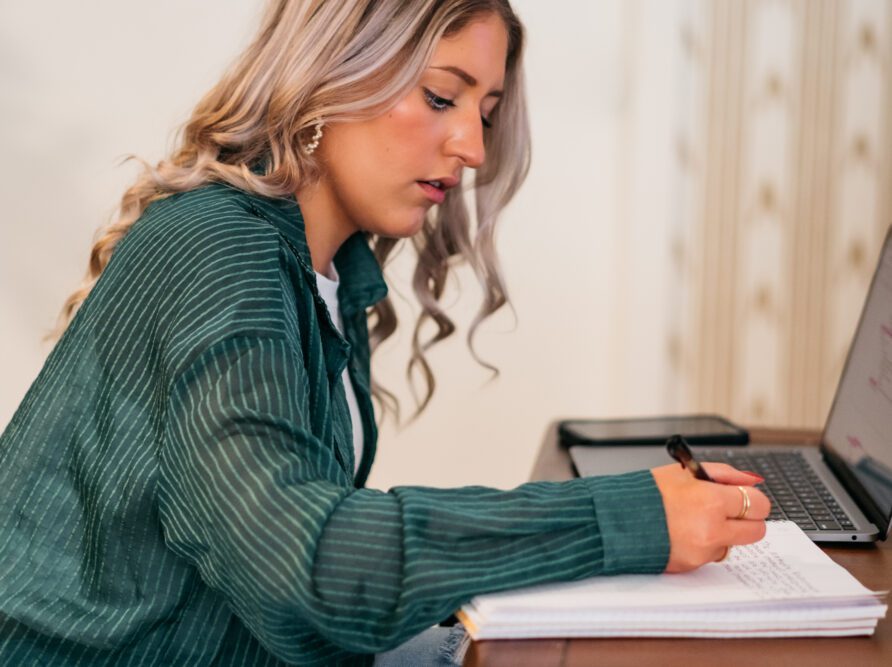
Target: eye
(436, 102)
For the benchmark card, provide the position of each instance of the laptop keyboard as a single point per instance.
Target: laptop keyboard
(794, 489)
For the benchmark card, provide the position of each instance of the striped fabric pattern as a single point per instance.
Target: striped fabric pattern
(177, 486)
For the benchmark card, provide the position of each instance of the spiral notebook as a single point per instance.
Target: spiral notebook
(783, 586)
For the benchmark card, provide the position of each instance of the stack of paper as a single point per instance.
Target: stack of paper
(784, 586)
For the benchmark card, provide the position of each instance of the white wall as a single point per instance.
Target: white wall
(82, 84)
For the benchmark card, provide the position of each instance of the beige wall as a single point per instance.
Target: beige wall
(600, 248)
(82, 85)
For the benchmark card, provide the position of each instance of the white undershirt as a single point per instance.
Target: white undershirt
(328, 290)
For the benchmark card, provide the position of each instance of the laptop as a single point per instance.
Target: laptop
(842, 491)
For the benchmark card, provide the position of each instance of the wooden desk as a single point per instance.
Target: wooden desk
(872, 565)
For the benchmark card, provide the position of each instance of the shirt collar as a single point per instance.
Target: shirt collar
(362, 282)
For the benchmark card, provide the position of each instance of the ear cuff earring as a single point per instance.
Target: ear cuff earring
(314, 142)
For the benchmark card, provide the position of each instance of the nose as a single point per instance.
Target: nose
(465, 140)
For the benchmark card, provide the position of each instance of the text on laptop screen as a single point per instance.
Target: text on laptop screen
(859, 428)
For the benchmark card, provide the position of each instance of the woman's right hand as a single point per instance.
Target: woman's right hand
(702, 516)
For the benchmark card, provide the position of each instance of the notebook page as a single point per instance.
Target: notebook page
(786, 565)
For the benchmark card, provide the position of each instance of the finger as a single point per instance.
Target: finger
(744, 532)
(735, 503)
(720, 554)
(725, 474)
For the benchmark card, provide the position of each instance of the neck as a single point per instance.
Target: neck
(326, 229)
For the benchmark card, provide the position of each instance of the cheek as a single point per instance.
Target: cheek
(407, 136)
(374, 165)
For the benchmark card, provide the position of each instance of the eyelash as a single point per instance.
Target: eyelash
(440, 104)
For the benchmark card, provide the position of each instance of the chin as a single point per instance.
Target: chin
(403, 229)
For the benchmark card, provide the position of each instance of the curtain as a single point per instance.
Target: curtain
(783, 159)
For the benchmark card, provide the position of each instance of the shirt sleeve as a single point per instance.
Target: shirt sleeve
(264, 511)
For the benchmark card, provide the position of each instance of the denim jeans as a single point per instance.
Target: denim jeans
(440, 647)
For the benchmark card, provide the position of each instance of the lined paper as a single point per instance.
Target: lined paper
(782, 586)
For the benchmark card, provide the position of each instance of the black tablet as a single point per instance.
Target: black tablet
(696, 429)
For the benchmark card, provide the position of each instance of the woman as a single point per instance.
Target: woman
(184, 482)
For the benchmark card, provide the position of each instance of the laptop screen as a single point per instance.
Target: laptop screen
(859, 429)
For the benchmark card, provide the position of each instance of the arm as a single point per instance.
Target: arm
(260, 506)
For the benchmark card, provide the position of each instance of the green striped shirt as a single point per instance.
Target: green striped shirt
(177, 485)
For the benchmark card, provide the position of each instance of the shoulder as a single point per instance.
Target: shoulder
(214, 213)
(208, 236)
(205, 265)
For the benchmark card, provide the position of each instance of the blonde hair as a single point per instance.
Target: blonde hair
(344, 60)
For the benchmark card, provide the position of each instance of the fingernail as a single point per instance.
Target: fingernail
(752, 474)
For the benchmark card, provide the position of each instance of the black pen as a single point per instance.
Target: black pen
(678, 449)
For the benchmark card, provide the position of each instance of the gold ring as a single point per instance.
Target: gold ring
(724, 555)
(746, 503)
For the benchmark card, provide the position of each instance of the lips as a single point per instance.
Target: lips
(435, 189)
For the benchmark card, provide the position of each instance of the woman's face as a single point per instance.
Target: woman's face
(382, 175)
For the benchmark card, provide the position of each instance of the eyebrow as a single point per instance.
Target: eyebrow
(467, 78)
